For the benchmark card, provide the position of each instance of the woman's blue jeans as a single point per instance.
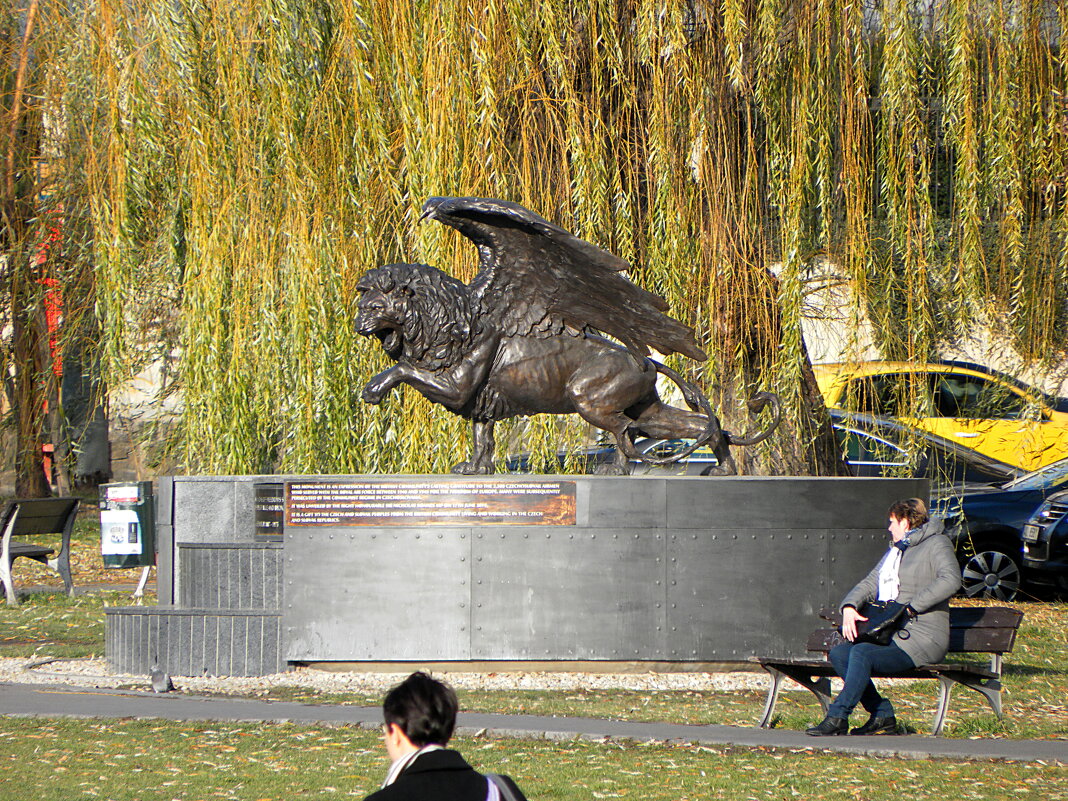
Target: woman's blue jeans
(855, 662)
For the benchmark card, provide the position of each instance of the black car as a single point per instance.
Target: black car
(1045, 542)
(871, 447)
(598, 459)
(878, 446)
(987, 527)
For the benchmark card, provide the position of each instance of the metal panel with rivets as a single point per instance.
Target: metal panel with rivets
(575, 594)
(363, 593)
(734, 594)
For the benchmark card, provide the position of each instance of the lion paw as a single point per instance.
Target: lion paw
(471, 469)
(720, 470)
(373, 393)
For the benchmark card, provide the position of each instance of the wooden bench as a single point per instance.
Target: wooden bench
(29, 516)
(972, 630)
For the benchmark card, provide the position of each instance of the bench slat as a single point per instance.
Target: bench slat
(977, 617)
(990, 641)
(961, 640)
(42, 516)
(983, 630)
(960, 616)
(821, 667)
(31, 551)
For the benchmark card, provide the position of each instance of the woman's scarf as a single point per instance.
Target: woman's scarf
(889, 581)
(403, 762)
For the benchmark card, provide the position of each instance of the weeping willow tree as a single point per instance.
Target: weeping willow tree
(232, 169)
(45, 314)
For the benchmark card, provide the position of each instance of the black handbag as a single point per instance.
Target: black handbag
(884, 619)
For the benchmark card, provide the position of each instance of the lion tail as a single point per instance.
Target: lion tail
(758, 403)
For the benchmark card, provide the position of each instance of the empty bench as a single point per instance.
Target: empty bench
(33, 516)
(972, 630)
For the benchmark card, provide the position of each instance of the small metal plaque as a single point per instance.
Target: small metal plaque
(447, 503)
(269, 500)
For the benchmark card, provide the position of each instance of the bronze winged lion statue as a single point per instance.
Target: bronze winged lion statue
(525, 337)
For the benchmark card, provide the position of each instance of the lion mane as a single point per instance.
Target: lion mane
(439, 320)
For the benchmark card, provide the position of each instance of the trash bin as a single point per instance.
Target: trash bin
(128, 524)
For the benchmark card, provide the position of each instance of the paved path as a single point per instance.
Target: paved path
(68, 701)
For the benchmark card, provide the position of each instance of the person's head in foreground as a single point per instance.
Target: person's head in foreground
(418, 712)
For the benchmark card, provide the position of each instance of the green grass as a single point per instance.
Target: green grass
(54, 624)
(1036, 674)
(1035, 677)
(127, 760)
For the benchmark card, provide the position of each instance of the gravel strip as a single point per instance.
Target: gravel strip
(96, 673)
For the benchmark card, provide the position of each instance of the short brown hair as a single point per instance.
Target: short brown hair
(914, 510)
(423, 708)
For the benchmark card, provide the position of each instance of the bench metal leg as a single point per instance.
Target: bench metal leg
(5, 561)
(772, 699)
(988, 688)
(993, 696)
(945, 689)
(61, 564)
(9, 583)
(821, 688)
(140, 591)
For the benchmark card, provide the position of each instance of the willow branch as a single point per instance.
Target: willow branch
(16, 105)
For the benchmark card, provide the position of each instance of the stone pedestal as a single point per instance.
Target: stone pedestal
(498, 568)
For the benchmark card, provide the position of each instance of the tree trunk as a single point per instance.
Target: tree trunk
(26, 396)
(27, 403)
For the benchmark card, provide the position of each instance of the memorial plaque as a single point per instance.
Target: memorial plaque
(414, 503)
(270, 504)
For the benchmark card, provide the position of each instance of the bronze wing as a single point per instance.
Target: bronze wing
(536, 278)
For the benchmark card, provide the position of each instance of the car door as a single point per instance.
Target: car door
(994, 419)
(870, 456)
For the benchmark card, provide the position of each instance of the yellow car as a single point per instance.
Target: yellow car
(965, 403)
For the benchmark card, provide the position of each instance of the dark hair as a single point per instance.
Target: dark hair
(423, 708)
(913, 510)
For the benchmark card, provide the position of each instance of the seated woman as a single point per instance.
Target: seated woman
(919, 570)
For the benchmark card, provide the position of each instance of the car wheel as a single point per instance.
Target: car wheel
(991, 573)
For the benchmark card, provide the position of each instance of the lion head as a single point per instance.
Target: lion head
(418, 313)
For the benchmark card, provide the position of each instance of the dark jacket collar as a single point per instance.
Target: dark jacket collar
(445, 759)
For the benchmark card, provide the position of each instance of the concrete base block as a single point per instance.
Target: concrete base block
(194, 642)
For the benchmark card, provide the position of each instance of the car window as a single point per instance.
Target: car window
(888, 395)
(974, 398)
(875, 394)
(862, 449)
(668, 448)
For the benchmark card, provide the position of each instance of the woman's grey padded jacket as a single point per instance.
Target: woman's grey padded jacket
(929, 576)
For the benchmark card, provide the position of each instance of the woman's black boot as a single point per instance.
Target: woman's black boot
(829, 726)
(877, 725)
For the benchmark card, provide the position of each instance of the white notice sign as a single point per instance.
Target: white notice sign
(120, 533)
